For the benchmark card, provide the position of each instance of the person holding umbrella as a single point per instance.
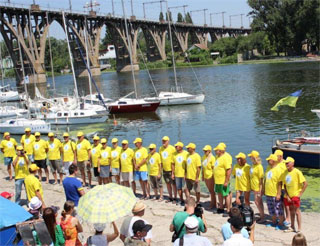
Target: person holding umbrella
(98, 238)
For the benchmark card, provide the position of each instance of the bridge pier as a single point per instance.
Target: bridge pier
(181, 36)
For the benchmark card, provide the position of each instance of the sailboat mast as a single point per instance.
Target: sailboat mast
(87, 54)
(130, 48)
(2, 70)
(50, 53)
(71, 58)
(172, 51)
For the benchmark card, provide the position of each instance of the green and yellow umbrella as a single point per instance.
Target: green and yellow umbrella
(106, 203)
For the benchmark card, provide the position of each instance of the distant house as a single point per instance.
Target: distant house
(105, 57)
(6, 63)
(198, 46)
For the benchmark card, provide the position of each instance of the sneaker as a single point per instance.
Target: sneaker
(286, 223)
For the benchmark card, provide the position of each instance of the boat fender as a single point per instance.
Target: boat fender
(44, 110)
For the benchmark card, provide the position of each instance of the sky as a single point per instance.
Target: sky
(231, 7)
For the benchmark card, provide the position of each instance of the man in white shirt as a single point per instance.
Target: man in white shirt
(237, 238)
(191, 238)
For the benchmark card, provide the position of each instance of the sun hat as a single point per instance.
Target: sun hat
(27, 129)
(114, 140)
(152, 146)
(180, 144)
(19, 147)
(96, 138)
(207, 147)
(191, 224)
(37, 134)
(191, 145)
(165, 138)
(220, 146)
(124, 142)
(50, 134)
(99, 226)
(272, 157)
(140, 225)
(65, 134)
(254, 154)
(137, 140)
(79, 134)
(33, 167)
(289, 159)
(34, 203)
(6, 134)
(103, 140)
(138, 207)
(278, 152)
(241, 155)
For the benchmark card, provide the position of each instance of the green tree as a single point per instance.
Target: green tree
(170, 15)
(161, 17)
(188, 18)
(60, 57)
(180, 18)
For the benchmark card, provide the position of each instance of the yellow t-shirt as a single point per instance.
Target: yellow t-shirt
(242, 174)
(193, 162)
(82, 150)
(139, 155)
(166, 155)
(272, 179)
(9, 147)
(256, 174)
(21, 168)
(154, 163)
(293, 182)
(221, 166)
(208, 166)
(180, 160)
(68, 151)
(32, 185)
(39, 149)
(115, 157)
(95, 153)
(282, 165)
(105, 156)
(27, 143)
(229, 157)
(54, 149)
(126, 160)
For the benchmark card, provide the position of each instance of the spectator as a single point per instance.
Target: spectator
(73, 186)
(98, 239)
(54, 156)
(56, 233)
(8, 146)
(299, 240)
(140, 230)
(155, 177)
(237, 238)
(35, 208)
(83, 149)
(126, 230)
(95, 153)
(69, 154)
(40, 150)
(226, 228)
(191, 238)
(33, 185)
(27, 143)
(115, 160)
(126, 166)
(70, 225)
(104, 162)
(180, 217)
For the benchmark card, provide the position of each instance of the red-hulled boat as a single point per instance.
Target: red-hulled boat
(132, 105)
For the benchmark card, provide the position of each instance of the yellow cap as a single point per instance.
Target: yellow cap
(254, 154)
(224, 145)
(272, 157)
(241, 155)
(27, 129)
(152, 146)
(37, 134)
(191, 145)
(103, 140)
(96, 138)
(180, 144)
(137, 140)
(207, 147)
(289, 159)
(33, 167)
(114, 140)
(66, 134)
(124, 142)
(278, 152)
(6, 134)
(79, 134)
(50, 134)
(165, 138)
(20, 148)
(220, 146)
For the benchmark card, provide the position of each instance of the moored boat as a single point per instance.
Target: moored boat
(177, 98)
(7, 95)
(17, 126)
(133, 105)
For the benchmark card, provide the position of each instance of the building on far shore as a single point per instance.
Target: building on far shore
(105, 56)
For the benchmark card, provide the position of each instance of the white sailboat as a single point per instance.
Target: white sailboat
(12, 111)
(7, 95)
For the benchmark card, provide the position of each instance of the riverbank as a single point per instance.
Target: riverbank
(160, 215)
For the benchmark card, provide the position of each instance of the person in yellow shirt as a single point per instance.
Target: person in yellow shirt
(115, 160)
(126, 165)
(69, 153)
(83, 148)
(193, 170)
(179, 166)
(272, 190)
(104, 162)
(256, 182)
(54, 157)
(295, 184)
(40, 149)
(222, 172)
(140, 166)
(8, 148)
(241, 171)
(95, 154)
(27, 143)
(155, 171)
(208, 161)
(33, 185)
(280, 161)
(166, 152)
(20, 164)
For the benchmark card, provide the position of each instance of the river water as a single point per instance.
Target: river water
(236, 109)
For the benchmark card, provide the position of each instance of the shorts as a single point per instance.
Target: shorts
(7, 160)
(220, 189)
(56, 166)
(179, 183)
(115, 171)
(141, 175)
(155, 182)
(95, 172)
(295, 201)
(30, 158)
(41, 163)
(66, 165)
(127, 177)
(105, 171)
(275, 207)
(167, 176)
(191, 184)
(84, 164)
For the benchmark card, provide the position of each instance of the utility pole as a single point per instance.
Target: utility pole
(70, 5)
(177, 7)
(200, 10)
(131, 8)
(112, 7)
(144, 10)
(223, 19)
(241, 20)
(235, 16)
(211, 14)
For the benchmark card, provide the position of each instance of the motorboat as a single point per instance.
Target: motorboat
(317, 111)
(7, 95)
(17, 126)
(12, 111)
(305, 150)
(133, 105)
(177, 98)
